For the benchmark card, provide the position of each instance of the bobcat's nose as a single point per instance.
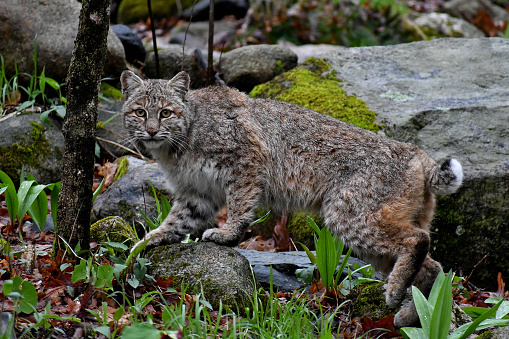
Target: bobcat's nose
(152, 132)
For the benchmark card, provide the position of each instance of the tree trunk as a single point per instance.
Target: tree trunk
(75, 200)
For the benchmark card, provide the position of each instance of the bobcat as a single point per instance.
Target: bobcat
(220, 147)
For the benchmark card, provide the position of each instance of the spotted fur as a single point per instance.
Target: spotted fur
(218, 146)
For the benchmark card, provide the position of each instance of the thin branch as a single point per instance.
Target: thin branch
(154, 40)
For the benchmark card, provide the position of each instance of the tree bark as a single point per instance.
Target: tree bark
(83, 77)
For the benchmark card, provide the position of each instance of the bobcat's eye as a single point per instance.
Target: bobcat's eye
(140, 112)
(165, 113)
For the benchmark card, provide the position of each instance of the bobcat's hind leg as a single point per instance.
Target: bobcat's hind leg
(424, 280)
(410, 255)
(190, 216)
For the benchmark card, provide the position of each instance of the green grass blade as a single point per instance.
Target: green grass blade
(343, 264)
(98, 190)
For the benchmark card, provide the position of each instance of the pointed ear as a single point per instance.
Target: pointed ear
(180, 83)
(130, 82)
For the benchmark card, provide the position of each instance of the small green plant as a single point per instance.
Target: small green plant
(11, 90)
(162, 209)
(435, 313)
(30, 198)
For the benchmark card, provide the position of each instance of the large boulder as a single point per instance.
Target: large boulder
(52, 26)
(25, 142)
(132, 194)
(131, 11)
(248, 66)
(223, 273)
(448, 96)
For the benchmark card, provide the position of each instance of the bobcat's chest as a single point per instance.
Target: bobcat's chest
(195, 176)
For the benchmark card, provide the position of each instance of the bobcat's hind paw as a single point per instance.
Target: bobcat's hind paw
(221, 236)
(407, 316)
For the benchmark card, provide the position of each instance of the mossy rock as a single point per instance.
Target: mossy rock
(25, 142)
(312, 84)
(112, 229)
(300, 230)
(224, 274)
(371, 303)
(132, 11)
(470, 224)
(109, 91)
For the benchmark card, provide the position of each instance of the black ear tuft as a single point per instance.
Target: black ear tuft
(180, 83)
(130, 82)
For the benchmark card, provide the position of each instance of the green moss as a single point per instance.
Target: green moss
(30, 150)
(132, 11)
(470, 224)
(111, 92)
(371, 303)
(485, 335)
(299, 229)
(112, 229)
(313, 85)
(123, 166)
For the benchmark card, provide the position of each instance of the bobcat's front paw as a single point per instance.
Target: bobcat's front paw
(394, 296)
(221, 236)
(157, 237)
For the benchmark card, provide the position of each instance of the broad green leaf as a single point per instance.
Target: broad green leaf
(25, 197)
(117, 269)
(25, 105)
(465, 330)
(343, 264)
(166, 207)
(118, 313)
(7, 288)
(424, 309)
(44, 116)
(104, 276)
(39, 209)
(54, 201)
(435, 290)
(313, 224)
(311, 256)
(104, 330)
(11, 197)
(116, 246)
(80, 272)
(413, 333)
(134, 282)
(441, 316)
(28, 294)
(326, 257)
(305, 274)
(142, 330)
(51, 82)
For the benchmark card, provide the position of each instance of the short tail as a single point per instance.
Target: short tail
(447, 178)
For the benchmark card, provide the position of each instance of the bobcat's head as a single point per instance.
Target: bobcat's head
(155, 111)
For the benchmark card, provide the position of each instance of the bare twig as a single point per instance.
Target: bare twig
(210, 68)
(465, 282)
(154, 42)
